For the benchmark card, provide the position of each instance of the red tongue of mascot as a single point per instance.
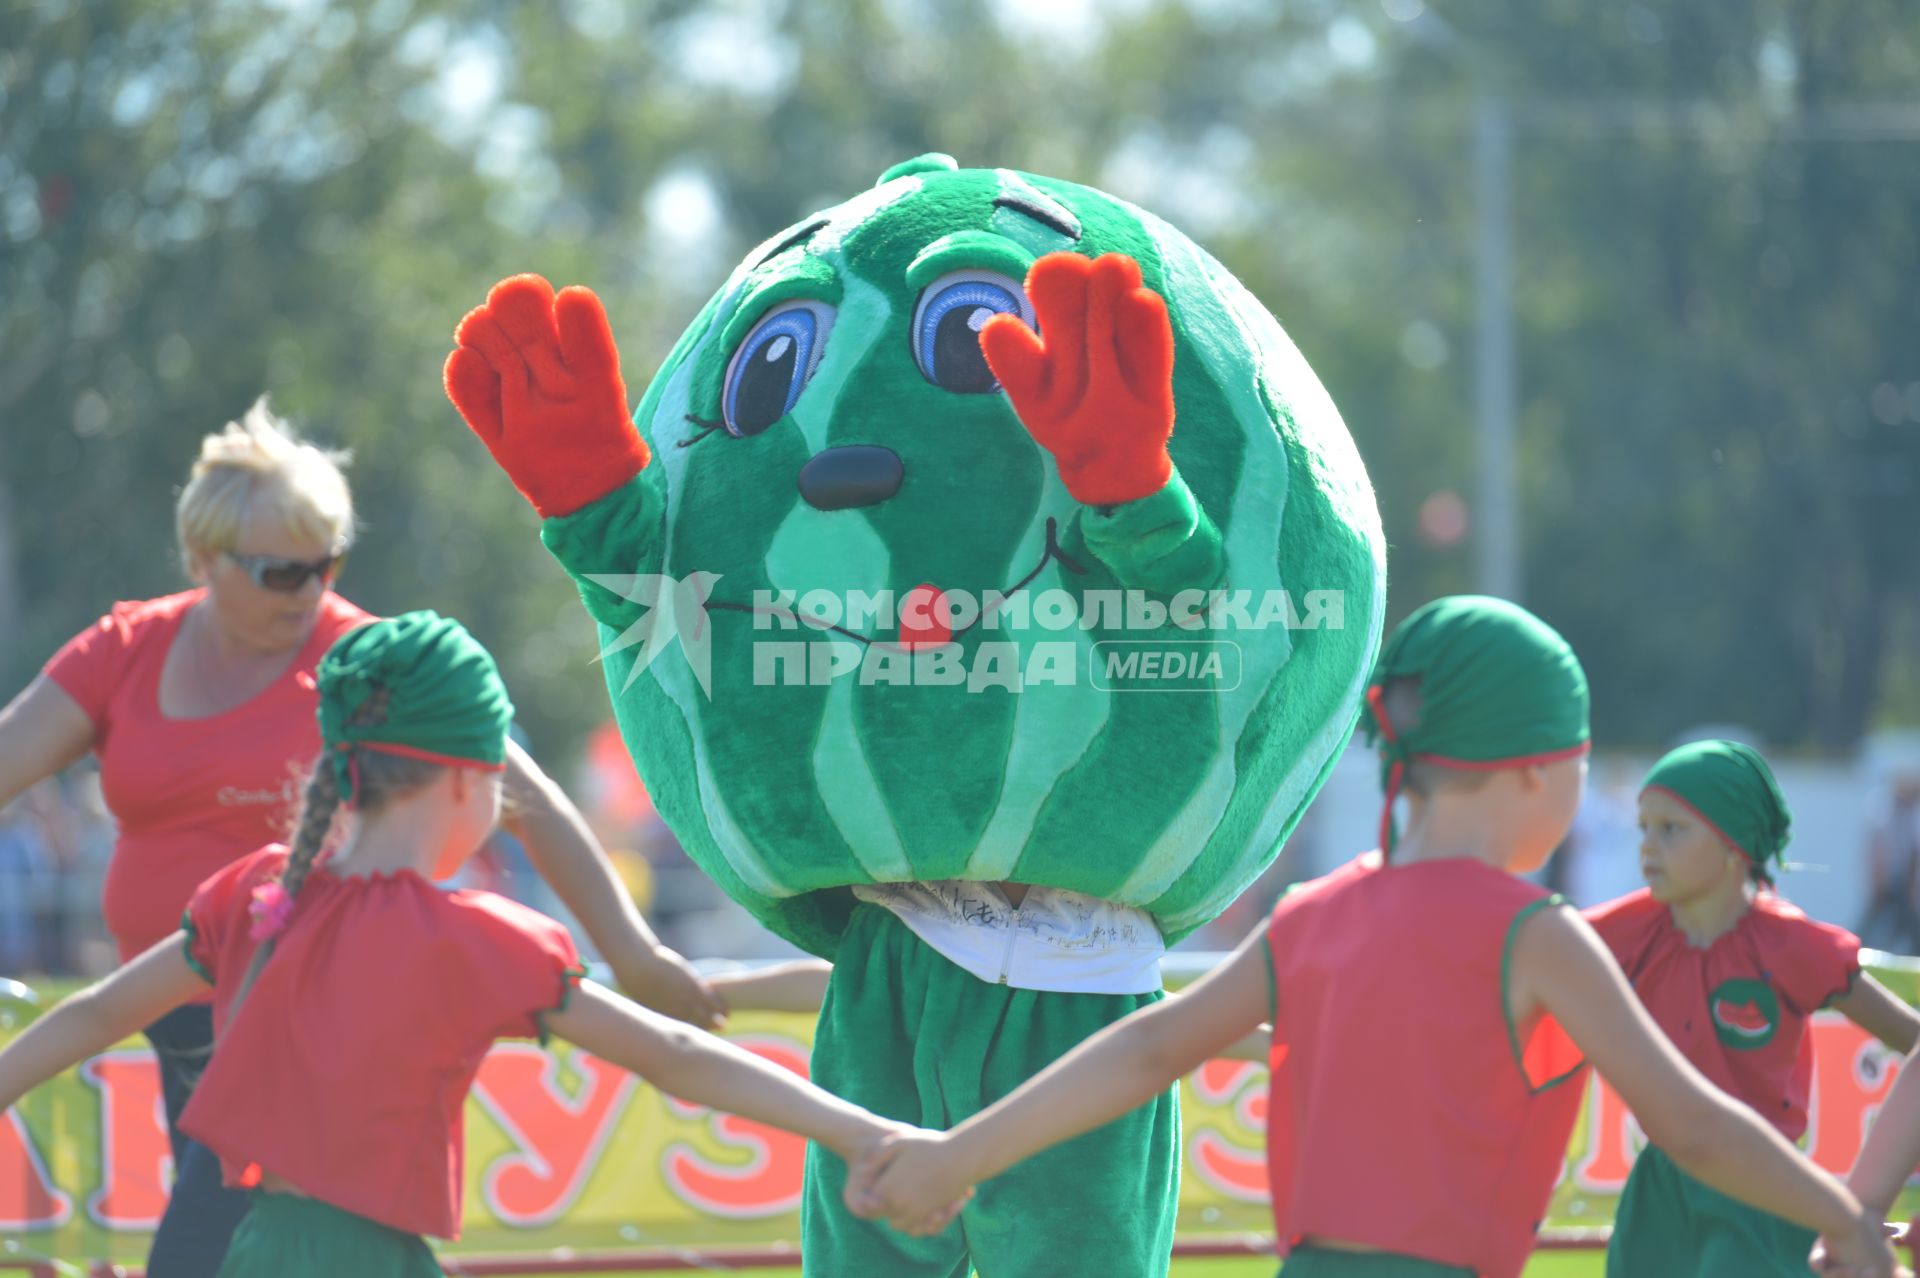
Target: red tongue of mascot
(925, 620)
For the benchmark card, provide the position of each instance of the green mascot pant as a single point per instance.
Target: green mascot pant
(1670, 1223)
(912, 1036)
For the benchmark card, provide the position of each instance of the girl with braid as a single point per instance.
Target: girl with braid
(1433, 1012)
(199, 709)
(354, 1000)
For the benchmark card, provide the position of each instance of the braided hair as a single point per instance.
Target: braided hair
(380, 779)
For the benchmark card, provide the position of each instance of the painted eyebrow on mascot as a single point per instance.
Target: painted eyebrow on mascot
(985, 586)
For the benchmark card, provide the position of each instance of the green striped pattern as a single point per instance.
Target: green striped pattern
(787, 794)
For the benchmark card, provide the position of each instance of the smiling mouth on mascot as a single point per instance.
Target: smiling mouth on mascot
(962, 382)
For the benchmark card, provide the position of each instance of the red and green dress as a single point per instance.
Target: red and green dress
(1408, 1113)
(345, 1070)
(1738, 1009)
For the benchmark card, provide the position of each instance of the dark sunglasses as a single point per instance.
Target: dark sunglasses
(285, 576)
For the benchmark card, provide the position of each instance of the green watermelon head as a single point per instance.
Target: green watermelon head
(828, 430)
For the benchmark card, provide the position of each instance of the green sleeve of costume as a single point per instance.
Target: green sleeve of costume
(620, 535)
(193, 938)
(1163, 543)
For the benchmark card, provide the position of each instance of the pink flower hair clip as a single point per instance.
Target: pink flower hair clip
(270, 908)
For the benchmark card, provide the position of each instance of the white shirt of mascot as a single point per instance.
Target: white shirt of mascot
(1055, 940)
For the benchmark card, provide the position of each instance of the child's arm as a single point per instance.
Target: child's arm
(799, 986)
(1118, 1069)
(695, 1066)
(568, 856)
(1256, 1046)
(99, 1016)
(1563, 967)
(1893, 1146)
(1878, 1011)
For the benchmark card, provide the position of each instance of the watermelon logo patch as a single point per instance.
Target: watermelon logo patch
(1745, 1014)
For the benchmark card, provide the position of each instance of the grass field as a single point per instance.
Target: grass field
(1549, 1265)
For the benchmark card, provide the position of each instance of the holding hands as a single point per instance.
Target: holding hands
(1867, 1253)
(917, 1180)
(663, 980)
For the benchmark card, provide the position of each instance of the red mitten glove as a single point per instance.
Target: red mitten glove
(1097, 390)
(537, 378)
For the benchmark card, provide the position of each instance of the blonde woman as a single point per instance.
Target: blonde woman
(200, 707)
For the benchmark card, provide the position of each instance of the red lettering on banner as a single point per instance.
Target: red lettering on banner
(560, 1137)
(1852, 1074)
(136, 1160)
(1234, 1170)
(768, 1183)
(28, 1199)
(1613, 1141)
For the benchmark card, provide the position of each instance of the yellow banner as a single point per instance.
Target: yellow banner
(565, 1150)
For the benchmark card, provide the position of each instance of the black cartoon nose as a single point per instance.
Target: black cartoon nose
(853, 475)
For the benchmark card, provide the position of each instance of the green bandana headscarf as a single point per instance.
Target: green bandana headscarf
(1498, 688)
(1731, 788)
(445, 701)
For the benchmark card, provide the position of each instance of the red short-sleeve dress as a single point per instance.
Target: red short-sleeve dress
(1738, 1009)
(346, 1066)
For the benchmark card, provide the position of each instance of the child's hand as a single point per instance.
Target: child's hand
(1864, 1253)
(667, 983)
(796, 986)
(912, 1179)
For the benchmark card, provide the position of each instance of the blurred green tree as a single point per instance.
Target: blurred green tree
(1715, 237)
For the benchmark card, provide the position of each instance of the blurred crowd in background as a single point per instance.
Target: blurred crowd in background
(55, 841)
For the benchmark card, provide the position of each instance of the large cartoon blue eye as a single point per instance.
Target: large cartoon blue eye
(947, 324)
(773, 365)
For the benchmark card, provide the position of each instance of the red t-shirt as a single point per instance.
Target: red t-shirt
(1737, 1009)
(347, 1067)
(1405, 1112)
(189, 795)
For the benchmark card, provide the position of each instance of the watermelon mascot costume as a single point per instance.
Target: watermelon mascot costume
(891, 566)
